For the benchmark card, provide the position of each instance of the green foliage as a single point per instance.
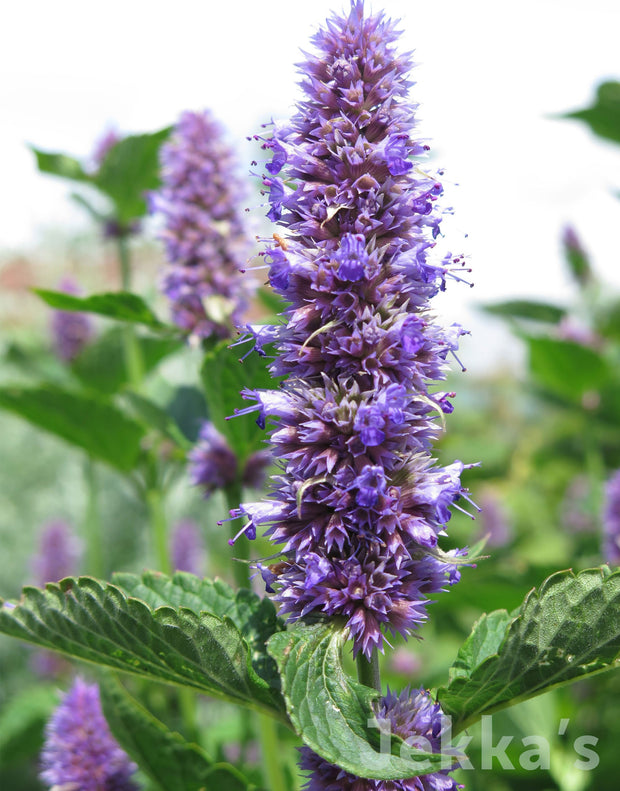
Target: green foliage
(255, 618)
(98, 623)
(526, 309)
(22, 721)
(172, 763)
(85, 421)
(603, 117)
(331, 713)
(223, 378)
(566, 630)
(566, 368)
(101, 365)
(61, 165)
(120, 305)
(129, 170)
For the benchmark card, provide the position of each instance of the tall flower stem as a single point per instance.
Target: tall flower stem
(266, 728)
(368, 671)
(92, 523)
(273, 767)
(241, 569)
(159, 528)
(134, 363)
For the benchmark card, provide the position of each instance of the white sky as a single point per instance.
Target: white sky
(490, 75)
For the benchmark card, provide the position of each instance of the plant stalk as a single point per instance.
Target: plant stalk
(273, 767)
(134, 364)
(368, 671)
(159, 529)
(92, 523)
(241, 569)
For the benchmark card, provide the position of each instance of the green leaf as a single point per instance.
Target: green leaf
(22, 720)
(603, 117)
(608, 321)
(526, 309)
(255, 618)
(172, 763)
(153, 417)
(223, 378)
(189, 410)
(566, 368)
(98, 623)
(129, 170)
(120, 305)
(331, 713)
(566, 630)
(83, 420)
(101, 364)
(61, 165)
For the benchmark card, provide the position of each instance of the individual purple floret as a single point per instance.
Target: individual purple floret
(611, 520)
(359, 504)
(58, 553)
(80, 753)
(70, 331)
(414, 717)
(212, 464)
(187, 548)
(204, 234)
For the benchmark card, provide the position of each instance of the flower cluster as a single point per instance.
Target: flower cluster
(611, 520)
(79, 751)
(70, 331)
(414, 717)
(359, 504)
(205, 238)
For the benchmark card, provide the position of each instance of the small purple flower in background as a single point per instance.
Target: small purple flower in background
(211, 462)
(494, 523)
(414, 717)
(80, 753)
(187, 548)
(576, 509)
(213, 465)
(359, 504)
(107, 141)
(204, 234)
(58, 553)
(70, 331)
(611, 520)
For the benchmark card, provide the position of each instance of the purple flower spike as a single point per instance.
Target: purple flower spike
(204, 233)
(187, 548)
(358, 505)
(212, 464)
(58, 553)
(414, 717)
(80, 753)
(70, 331)
(611, 520)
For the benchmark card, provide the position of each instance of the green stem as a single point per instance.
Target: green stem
(241, 569)
(271, 752)
(368, 671)
(92, 524)
(134, 363)
(125, 263)
(159, 529)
